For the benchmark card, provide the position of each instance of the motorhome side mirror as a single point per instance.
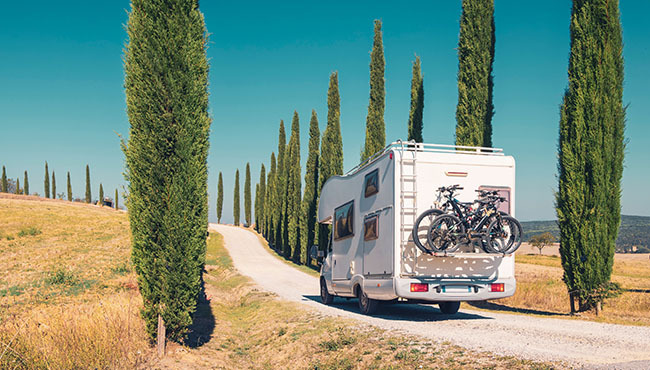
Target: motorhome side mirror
(313, 252)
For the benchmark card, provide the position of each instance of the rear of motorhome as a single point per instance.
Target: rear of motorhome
(372, 209)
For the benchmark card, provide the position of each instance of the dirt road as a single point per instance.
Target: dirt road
(575, 341)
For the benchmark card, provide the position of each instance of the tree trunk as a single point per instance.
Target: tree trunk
(572, 301)
(161, 337)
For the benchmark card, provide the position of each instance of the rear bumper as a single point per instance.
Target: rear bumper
(441, 290)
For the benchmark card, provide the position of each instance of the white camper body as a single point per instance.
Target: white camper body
(374, 206)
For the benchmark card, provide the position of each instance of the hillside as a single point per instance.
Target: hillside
(634, 231)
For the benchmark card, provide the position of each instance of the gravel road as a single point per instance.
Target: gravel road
(581, 343)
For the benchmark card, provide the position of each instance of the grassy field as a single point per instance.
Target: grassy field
(540, 290)
(68, 294)
(252, 329)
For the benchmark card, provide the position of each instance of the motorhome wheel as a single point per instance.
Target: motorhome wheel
(325, 296)
(449, 308)
(367, 306)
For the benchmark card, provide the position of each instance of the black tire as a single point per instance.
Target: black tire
(420, 229)
(504, 235)
(325, 296)
(449, 308)
(367, 306)
(443, 233)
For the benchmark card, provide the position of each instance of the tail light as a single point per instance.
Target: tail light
(419, 287)
(498, 287)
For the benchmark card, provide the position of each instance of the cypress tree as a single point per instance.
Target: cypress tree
(26, 185)
(331, 155)
(247, 195)
(310, 198)
(256, 205)
(280, 191)
(70, 188)
(269, 202)
(46, 182)
(294, 190)
(4, 180)
(259, 201)
(591, 150)
(117, 200)
(88, 193)
(219, 198)
(101, 194)
(236, 201)
(53, 185)
(17, 185)
(375, 127)
(475, 81)
(417, 103)
(166, 82)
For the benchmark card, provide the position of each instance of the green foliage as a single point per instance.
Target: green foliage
(375, 127)
(309, 222)
(101, 193)
(280, 192)
(17, 186)
(26, 184)
(331, 155)
(53, 185)
(117, 199)
(70, 189)
(294, 190)
(259, 200)
(29, 231)
(4, 180)
(417, 103)
(88, 193)
(269, 202)
(46, 182)
(591, 150)
(236, 201)
(247, 195)
(219, 198)
(540, 241)
(475, 81)
(166, 80)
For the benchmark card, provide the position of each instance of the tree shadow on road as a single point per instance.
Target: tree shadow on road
(401, 311)
(204, 322)
(503, 308)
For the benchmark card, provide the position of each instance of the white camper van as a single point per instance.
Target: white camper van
(371, 254)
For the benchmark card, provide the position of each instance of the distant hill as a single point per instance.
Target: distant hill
(634, 231)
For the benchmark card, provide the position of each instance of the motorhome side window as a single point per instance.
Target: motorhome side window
(344, 221)
(370, 228)
(372, 183)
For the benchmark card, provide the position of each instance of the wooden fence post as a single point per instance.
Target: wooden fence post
(161, 336)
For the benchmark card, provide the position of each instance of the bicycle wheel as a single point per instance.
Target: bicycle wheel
(421, 228)
(504, 235)
(443, 233)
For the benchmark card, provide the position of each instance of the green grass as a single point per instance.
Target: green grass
(313, 271)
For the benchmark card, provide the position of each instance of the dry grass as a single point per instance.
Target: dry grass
(540, 290)
(255, 330)
(68, 295)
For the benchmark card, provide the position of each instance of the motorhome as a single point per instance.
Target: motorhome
(372, 208)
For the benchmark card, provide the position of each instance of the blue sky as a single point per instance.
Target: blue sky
(62, 97)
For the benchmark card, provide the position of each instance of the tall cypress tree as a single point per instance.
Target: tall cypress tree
(280, 191)
(88, 193)
(294, 189)
(256, 205)
(17, 185)
(259, 201)
(375, 127)
(236, 201)
(417, 103)
(475, 81)
(166, 84)
(53, 185)
(4, 180)
(219, 198)
(269, 202)
(331, 155)
(310, 198)
(70, 188)
(117, 200)
(46, 182)
(26, 185)
(101, 194)
(247, 195)
(591, 150)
